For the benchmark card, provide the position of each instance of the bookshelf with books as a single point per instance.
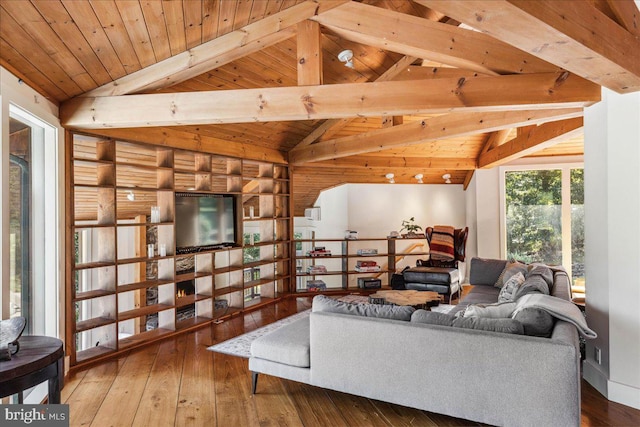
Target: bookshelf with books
(339, 265)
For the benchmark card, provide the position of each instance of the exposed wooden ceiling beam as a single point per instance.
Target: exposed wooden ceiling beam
(494, 139)
(467, 179)
(332, 126)
(397, 162)
(627, 14)
(512, 92)
(212, 54)
(176, 138)
(419, 72)
(436, 128)
(572, 34)
(309, 58)
(423, 38)
(537, 138)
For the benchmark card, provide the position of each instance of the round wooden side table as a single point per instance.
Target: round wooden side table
(39, 359)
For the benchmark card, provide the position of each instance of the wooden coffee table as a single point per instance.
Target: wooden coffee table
(407, 297)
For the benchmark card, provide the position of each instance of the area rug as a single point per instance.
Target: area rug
(241, 345)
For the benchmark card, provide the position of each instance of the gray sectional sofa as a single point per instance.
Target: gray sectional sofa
(447, 365)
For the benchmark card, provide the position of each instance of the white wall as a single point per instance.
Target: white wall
(612, 243)
(488, 212)
(471, 200)
(377, 209)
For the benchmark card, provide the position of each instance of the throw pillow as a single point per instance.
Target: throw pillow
(536, 322)
(533, 284)
(485, 271)
(510, 288)
(498, 310)
(511, 269)
(508, 326)
(542, 271)
(432, 318)
(394, 312)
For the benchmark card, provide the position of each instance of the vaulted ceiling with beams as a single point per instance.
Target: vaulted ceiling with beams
(436, 87)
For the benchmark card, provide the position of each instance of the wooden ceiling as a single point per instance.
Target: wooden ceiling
(436, 86)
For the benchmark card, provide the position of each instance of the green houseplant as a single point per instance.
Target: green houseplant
(411, 227)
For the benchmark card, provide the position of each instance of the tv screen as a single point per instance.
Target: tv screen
(204, 221)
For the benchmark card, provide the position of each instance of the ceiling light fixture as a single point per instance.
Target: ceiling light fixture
(419, 178)
(346, 56)
(390, 177)
(130, 196)
(447, 178)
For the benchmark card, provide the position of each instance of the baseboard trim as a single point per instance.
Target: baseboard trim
(613, 391)
(624, 394)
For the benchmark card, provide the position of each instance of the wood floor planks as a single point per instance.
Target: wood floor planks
(120, 405)
(179, 382)
(158, 404)
(196, 399)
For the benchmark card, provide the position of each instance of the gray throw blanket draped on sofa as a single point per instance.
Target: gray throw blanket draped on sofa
(558, 308)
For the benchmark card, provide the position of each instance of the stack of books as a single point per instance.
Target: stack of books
(319, 251)
(367, 267)
(367, 252)
(316, 269)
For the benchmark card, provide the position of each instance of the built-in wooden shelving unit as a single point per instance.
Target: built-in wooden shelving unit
(120, 295)
(340, 265)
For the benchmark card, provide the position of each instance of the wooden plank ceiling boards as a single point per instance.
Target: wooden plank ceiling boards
(436, 86)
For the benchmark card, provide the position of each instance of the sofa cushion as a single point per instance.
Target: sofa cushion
(394, 312)
(432, 318)
(533, 284)
(536, 322)
(511, 269)
(508, 326)
(288, 345)
(510, 288)
(497, 310)
(484, 271)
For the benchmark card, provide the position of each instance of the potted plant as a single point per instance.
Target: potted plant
(411, 227)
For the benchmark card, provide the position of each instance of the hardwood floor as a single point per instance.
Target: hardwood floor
(178, 382)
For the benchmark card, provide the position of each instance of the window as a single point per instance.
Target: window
(543, 217)
(33, 233)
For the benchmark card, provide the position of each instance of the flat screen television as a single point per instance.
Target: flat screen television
(205, 221)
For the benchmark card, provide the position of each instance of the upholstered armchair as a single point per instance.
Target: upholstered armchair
(439, 274)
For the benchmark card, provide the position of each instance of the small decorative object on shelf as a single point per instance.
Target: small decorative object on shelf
(351, 235)
(412, 228)
(155, 214)
(316, 285)
(10, 331)
(394, 235)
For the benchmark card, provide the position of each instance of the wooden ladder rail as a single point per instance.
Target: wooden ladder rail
(400, 257)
